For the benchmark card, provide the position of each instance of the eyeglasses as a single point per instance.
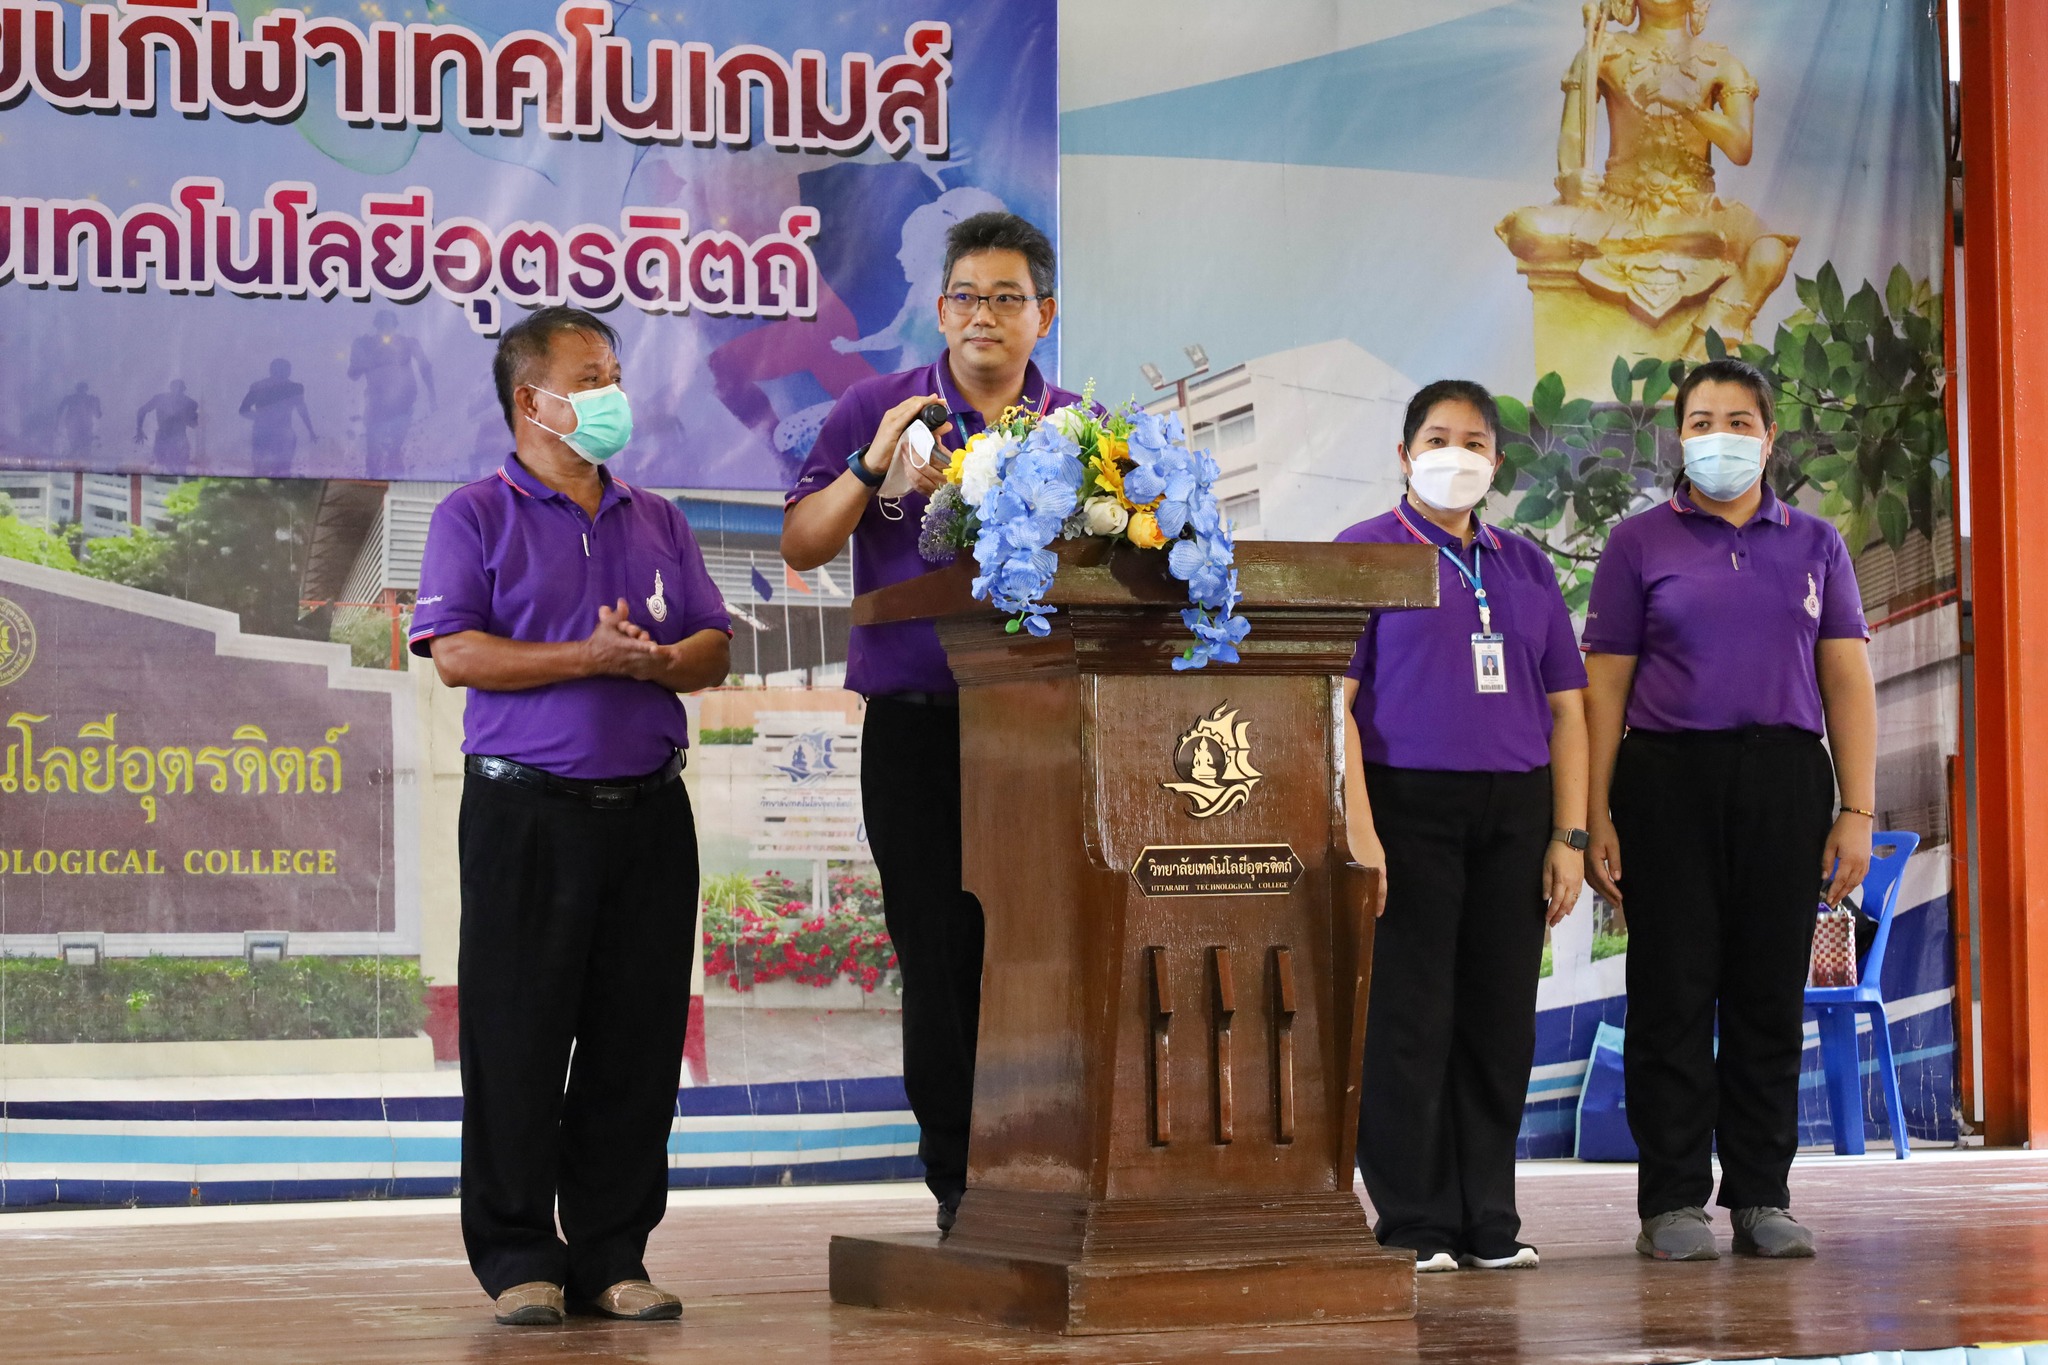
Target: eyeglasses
(965, 305)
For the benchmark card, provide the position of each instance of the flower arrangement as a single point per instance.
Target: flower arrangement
(1030, 479)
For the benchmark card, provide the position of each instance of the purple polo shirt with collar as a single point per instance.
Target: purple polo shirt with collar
(1723, 620)
(509, 556)
(902, 656)
(1418, 704)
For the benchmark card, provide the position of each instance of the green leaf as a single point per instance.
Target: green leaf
(1893, 520)
(1717, 349)
(1548, 399)
(1624, 384)
(1657, 385)
(1813, 360)
(1514, 414)
(1519, 454)
(1576, 413)
(1645, 367)
(1504, 478)
(1646, 444)
(1613, 419)
(1830, 286)
(1825, 468)
(1534, 507)
(1898, 291)
(1809, 293)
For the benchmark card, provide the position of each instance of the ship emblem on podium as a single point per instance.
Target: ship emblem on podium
(1213, 758)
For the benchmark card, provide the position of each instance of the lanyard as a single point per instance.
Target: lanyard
(1471, 575)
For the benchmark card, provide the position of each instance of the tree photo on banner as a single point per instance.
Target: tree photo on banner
(248, 310)
(1342, 203)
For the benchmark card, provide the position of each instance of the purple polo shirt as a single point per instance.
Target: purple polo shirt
(507, 555)
(1723, 620)
(903, 656)
(1418, 705)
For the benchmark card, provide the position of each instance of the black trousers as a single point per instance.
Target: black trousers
(577, 939)
(1721, 839)
(910, 798)
(1451, 1022)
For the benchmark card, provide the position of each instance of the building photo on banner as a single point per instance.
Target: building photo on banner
(228, 880)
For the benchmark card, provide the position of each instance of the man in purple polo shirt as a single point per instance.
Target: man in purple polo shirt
(574, 608)
(998, 303)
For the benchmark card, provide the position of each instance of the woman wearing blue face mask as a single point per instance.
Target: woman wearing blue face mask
(1725, 636)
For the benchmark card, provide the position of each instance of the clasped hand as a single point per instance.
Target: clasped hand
(618, 648)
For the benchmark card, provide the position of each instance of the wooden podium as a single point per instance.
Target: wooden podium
(1173, 996)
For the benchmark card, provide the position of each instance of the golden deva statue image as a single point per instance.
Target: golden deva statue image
(1642, 258)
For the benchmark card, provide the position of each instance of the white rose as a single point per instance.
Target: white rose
(1104, 516)
(981, 467)
(1070, 422)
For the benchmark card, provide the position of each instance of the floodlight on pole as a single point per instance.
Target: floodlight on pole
(1156, 377)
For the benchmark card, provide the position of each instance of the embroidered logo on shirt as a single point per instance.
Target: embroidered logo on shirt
(657, 605)
(1214, 756)
(1812, 598)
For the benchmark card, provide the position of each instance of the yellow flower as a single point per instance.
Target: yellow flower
(1112, 448)
(1144, 531)
(1109, 474)
(953, 466)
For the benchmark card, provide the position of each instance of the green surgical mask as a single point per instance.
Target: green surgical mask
(604, 422)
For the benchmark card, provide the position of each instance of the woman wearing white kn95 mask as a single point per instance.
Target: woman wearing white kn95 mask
(1725, 637)
(1465, 786)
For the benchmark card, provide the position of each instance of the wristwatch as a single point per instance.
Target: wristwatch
(1572, 838)
(858, 464)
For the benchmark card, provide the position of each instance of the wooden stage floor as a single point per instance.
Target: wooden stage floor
(1947, 1249)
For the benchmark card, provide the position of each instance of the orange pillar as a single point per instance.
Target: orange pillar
(2005, 265)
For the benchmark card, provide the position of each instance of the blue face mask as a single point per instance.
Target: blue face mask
(1724, 464)
(604, 422)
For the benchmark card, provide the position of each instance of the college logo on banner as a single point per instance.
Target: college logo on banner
(17, 642)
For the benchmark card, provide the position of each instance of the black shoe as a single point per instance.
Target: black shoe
(947, 1213)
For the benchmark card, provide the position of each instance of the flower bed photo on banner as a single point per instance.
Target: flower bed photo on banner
(758, 930)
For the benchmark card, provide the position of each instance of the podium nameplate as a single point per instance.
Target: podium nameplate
(1217, 870)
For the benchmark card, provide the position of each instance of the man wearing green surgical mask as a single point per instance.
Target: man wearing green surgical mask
(574, 607)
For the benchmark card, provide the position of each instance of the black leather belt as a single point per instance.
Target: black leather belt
(604, 794)
(951, 699)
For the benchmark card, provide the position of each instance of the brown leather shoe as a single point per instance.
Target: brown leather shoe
(638, 1300)
(533, 1304)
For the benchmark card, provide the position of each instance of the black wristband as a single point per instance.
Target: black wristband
(858, 465)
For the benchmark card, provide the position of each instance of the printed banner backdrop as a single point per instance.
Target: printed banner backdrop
(282, 239)
(1312, 190)
(1340, 203)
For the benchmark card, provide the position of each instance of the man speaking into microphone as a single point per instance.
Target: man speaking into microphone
(997, 304)
(574, 608)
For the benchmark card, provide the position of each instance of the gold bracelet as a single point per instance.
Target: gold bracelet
(1857, 810)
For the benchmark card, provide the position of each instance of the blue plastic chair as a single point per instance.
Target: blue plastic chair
(1836, 1007)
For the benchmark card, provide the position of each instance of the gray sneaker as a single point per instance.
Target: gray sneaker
(1771, 1233)
(1680, 1235)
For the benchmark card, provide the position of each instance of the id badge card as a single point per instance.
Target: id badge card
(1489, 663)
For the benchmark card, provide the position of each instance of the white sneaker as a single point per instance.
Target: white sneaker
(1442, 1261)
(1524, 1258)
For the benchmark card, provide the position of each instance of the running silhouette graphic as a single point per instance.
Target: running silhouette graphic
(78, 423)
(176, 414)
(270, 405)
(385, 362)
